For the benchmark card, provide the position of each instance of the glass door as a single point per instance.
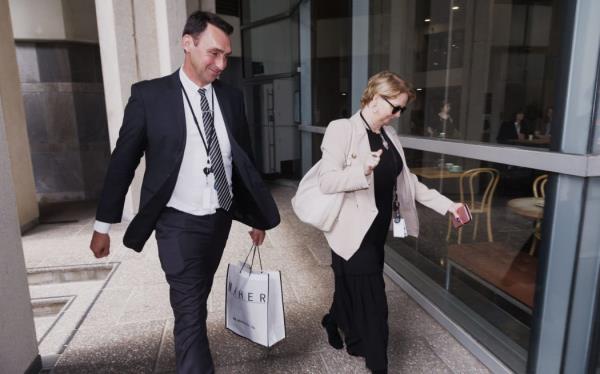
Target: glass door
(270, 50)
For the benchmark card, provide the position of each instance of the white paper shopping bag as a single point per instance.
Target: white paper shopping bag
(254, 304)
(276, 316)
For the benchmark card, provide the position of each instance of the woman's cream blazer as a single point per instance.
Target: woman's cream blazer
(342, 170)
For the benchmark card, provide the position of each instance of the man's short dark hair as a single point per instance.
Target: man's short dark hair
(197, 22)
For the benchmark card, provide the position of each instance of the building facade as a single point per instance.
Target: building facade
(506, 119)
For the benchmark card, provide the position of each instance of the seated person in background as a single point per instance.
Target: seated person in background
(443, 125)
(517, 129)
(544, 127)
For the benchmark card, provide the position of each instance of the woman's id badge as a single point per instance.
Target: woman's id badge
(399, 227)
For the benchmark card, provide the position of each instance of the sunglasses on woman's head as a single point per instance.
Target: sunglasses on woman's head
(395, 108)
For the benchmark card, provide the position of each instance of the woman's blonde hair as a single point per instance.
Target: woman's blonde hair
(388, 85)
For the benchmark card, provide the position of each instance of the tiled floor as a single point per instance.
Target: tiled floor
(129, 327)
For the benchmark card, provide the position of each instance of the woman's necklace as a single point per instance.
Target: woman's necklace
(385, 143)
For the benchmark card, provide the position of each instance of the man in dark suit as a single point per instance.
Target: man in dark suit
(518, 129)
(193, 132)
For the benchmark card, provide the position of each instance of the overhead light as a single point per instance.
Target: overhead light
(456, 7)
(419, 89)
(427, 20)
(344, 94)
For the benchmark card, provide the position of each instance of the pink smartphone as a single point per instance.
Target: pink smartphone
(463, 216)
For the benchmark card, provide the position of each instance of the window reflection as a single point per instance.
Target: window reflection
(476, 66)
(254, 10)
(490, 264)
(279, 55)
(331, 61)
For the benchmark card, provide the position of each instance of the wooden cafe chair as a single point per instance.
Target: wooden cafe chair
(539, 191)
(479, 204)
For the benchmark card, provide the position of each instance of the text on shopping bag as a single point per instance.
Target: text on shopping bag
(251, 296)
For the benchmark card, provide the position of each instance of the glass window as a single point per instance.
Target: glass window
(596, 357)
(331, 60)
(272, 48)
(484, 71)
(489, 266)
(254, 10)
(596, 126)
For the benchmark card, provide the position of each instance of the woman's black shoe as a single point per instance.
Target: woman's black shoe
(354, 352)
(333, 335)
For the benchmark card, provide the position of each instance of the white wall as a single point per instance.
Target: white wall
(18, 345)
(54, 20)
(15, 125)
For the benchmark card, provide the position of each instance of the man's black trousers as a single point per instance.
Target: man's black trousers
(190, 248)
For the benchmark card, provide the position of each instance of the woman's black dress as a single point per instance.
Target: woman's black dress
(359, 302)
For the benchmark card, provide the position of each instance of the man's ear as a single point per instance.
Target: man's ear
(187, 42)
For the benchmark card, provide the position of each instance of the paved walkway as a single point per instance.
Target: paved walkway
(128, 329)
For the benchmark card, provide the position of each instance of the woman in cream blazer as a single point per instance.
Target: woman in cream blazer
(366, 162)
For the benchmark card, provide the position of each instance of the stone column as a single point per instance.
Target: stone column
(138, 40)
(18, 345)
(15, 125)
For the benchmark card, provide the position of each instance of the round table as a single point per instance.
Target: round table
(530, 207)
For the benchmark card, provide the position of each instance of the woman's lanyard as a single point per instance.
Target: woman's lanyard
(383, 141)
(383, 135)
(207, 170)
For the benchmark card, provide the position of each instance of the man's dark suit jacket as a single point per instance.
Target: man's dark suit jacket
(508, 131)
(154, 125)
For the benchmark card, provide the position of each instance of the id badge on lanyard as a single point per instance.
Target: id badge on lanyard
(399, 226)
(399, 223)
(208, 191)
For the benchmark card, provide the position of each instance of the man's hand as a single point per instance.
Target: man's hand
(258, 236)
(100, 244)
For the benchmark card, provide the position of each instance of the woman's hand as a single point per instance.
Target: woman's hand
(372, 162)
(454, 207)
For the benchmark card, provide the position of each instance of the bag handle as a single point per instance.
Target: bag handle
(253, 249)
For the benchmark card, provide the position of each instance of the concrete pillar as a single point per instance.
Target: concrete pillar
(18, 344)
(15, 125)
(138, 40)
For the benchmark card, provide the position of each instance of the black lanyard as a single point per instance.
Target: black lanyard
(207, 170)
(384, 137)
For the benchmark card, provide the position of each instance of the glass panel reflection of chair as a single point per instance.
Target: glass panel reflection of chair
(539, 191)
(478, 206)
(539, 186)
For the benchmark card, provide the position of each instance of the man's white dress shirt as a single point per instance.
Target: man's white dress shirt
(192, 184)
